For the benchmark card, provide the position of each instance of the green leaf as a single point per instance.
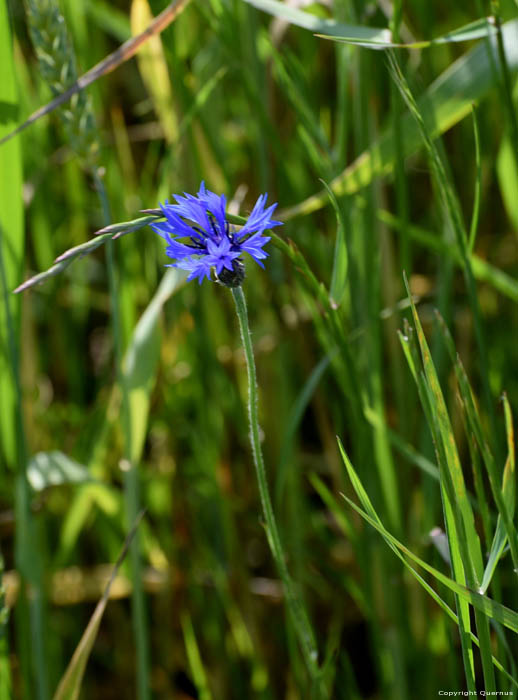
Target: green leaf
(141, 360)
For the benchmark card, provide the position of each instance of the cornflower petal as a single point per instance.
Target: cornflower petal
(199, 237)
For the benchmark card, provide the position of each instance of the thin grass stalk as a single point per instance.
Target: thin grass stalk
(295, 605)
(455, 217)
(131, 484)
(27, 555)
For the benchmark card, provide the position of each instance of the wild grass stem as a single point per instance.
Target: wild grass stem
(131, 483)
(295, 606)
(29, 615)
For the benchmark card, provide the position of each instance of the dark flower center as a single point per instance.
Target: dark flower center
(234, 277)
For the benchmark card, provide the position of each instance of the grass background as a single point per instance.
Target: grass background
(250, 104)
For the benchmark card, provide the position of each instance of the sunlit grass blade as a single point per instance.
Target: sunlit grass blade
(141, 360)
(154, 70)
(360, 35)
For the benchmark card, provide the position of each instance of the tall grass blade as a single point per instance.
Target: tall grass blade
(70, 685)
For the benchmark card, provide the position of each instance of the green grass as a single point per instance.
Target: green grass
(122, 387)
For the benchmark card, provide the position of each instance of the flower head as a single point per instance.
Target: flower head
(199, 236)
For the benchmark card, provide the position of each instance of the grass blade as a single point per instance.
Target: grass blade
(70, 685)
(448, 100)
(108, 64)
(362, 36)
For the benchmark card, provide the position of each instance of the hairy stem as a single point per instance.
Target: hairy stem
(295, 606)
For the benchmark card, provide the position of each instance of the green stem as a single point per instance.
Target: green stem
(295, 606)
(131, 483)
(27, 554)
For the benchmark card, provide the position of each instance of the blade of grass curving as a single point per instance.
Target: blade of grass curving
(490, 608)
(448, 100)
(368, 37)
(362, 36)
(464, 623)
(455, 531)
(465, 536)
(70, 685)
(343, 523)
(108, 233)
(108, 64)
(454, 469)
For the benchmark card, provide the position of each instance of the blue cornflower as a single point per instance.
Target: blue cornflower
(200, 238)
